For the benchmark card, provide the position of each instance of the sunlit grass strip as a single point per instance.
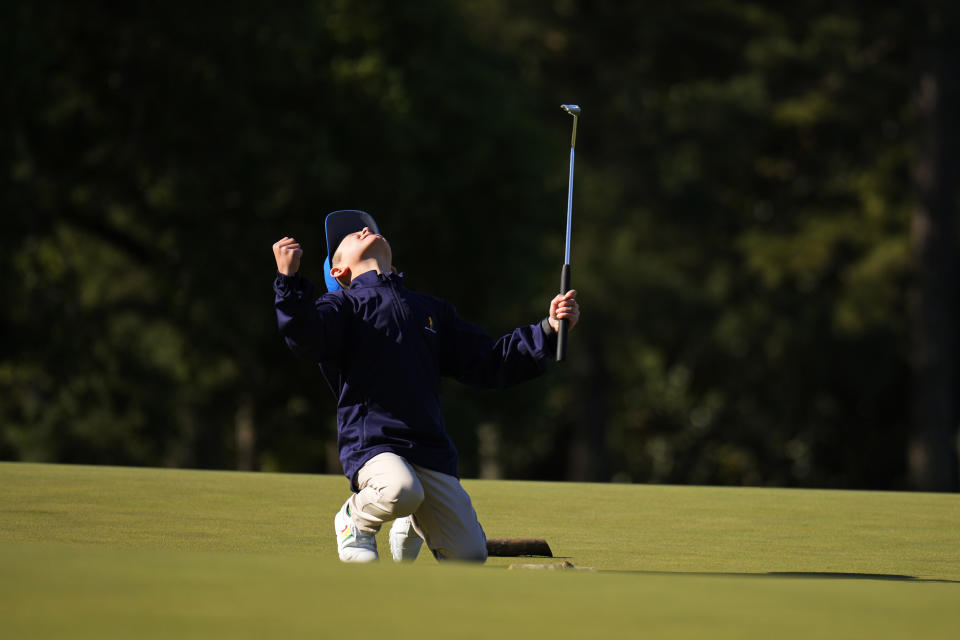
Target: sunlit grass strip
(111, 552)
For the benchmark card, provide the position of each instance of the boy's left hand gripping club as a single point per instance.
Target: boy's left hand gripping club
(573, 110)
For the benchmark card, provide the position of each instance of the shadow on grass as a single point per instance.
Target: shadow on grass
(855, 576)
(821, 575)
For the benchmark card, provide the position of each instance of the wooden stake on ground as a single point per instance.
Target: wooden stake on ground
(566, 565)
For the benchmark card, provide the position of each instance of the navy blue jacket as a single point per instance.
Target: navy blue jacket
(383, 348)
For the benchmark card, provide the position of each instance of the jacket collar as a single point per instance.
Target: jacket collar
(373, 279)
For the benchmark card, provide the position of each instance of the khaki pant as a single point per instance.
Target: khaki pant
(391, 487)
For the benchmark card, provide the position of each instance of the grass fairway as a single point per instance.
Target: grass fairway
(103, 552)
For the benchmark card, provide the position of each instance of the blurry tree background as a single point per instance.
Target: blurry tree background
(765, 232)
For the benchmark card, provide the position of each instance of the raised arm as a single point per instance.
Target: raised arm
(473, 357)
(312, 328)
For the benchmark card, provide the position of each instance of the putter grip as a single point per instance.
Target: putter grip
(562, 333)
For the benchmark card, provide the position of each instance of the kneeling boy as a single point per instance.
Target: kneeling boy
(383, 349)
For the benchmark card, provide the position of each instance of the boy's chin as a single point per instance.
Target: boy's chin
(380, 252)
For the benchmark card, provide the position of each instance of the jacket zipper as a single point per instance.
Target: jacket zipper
(364, 412)
(397, 305)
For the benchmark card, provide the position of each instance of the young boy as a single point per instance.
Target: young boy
(382, 349)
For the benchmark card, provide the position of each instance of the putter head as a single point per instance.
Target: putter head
(572, 109)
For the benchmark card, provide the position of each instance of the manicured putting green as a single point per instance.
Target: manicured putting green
(93, 552)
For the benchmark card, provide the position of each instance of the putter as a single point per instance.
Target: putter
(573, 110)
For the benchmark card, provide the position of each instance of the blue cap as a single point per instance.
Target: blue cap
(337, 226)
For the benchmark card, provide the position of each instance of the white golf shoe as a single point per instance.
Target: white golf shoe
(353, 544)
(405, 543)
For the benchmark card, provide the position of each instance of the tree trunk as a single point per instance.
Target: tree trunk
(587, 459)
(932, 454)
(245, 436)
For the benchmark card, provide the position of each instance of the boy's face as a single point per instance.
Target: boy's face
(362, 245)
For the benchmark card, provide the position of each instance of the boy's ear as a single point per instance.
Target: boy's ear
(394, 269)
(338, 272)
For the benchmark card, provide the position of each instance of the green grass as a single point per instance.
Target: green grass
(93, 552)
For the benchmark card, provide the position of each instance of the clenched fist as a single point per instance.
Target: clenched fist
(565, 307)
(287, 251)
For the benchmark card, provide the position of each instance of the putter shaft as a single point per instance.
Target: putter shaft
(573, 110)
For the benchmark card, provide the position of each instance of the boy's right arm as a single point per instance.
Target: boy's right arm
(313, 329)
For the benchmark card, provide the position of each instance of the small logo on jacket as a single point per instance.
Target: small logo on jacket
(430, 325)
